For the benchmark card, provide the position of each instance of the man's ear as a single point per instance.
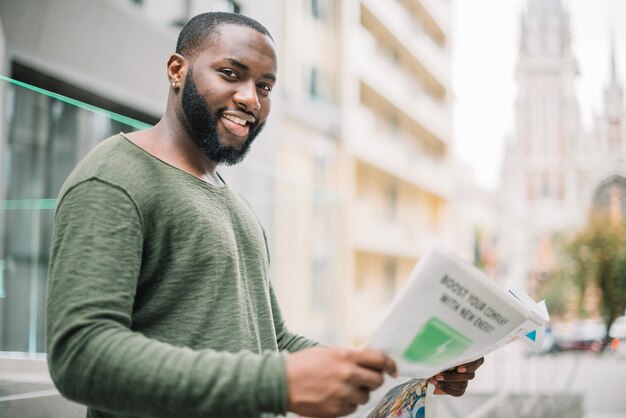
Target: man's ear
(176, 69)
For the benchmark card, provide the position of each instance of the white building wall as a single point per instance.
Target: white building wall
(396, 129)
(93, 45)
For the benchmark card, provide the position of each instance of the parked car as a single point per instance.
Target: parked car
(549, 344)
(585, 335)
(618, 329)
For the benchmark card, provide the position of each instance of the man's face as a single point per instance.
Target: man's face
(227, 90)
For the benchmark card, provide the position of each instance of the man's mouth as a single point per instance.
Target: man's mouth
(236, 119)
(236, 125)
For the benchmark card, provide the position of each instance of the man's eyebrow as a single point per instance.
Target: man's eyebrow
(236, 63)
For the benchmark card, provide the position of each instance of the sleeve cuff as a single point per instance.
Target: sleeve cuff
(272, 383)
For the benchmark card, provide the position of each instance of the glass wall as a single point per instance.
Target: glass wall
(45, 136)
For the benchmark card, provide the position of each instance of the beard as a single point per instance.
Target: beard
(203, 124)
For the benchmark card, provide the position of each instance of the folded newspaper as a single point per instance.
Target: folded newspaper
(449, 313)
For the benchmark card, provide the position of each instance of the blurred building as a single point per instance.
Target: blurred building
(396, 133)
(66, 47)
(351, 178)
(362, 148)
(474, 221)
(554, 171)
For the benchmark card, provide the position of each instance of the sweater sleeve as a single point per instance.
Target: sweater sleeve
(96, 358)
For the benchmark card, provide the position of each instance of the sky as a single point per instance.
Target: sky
(485, 41)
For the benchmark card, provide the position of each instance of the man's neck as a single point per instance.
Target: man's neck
(170, 142)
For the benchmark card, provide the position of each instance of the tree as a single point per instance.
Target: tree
(559, 293)
(595, 257)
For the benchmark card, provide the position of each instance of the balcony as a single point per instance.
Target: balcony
(438, 13)
(402, 239)
(395, 19)
(399, 156)
(401, 90)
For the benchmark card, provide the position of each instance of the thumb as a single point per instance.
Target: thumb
(439, 391)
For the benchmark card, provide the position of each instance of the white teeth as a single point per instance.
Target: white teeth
(235, 119)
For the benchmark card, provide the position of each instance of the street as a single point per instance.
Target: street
(511, 373)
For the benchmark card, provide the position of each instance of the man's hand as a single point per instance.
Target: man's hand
(330, 382)
(454, 381)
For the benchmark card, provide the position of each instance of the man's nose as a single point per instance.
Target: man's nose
(247, 97)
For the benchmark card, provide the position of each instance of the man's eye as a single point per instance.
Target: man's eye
(229, 73)
(265, 87)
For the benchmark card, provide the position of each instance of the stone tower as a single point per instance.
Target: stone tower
(539, 192)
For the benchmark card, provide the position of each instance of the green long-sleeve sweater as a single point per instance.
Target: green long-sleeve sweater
(159, 302)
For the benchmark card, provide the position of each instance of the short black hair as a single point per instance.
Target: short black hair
(204, 27)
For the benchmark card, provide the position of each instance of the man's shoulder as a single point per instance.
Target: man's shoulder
(115, 161)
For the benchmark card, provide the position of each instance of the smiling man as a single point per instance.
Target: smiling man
(159, 301)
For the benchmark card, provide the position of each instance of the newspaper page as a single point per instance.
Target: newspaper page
(448, 313)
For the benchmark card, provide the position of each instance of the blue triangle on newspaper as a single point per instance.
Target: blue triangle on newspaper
(532, 335)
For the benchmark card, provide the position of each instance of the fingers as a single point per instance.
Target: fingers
(470, 367)
(345, 408)
(454, 382)
(449, 387)
(456, 377)
(370, 379)
(375, 360)
(349, 402)
(452, 376)
(452, 388)
(328, 382)
(359, 397)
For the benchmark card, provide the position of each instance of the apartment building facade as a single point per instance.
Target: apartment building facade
(396, 132)
(351, 178)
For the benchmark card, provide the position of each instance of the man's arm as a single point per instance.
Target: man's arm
(94, 356)
(323, 381)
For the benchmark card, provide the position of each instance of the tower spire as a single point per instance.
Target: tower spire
(613, 64)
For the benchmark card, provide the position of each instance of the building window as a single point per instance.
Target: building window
(188, 12)
(394, 56)
(2, 292)
(234, 6)
(390, 279)
(315, 8)
(313, 83)
(319, 176)
(530, 187)
(321, 85)
(545, 185)
(391, 208)
(322, 9)
(45, 138)
(392, 123)
(319, 294)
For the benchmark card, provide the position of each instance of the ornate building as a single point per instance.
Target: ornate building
(554, 171)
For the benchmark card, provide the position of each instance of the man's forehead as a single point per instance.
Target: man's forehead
(239, 39)
(231, 42)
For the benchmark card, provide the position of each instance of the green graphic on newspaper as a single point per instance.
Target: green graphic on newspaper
(435, 343)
